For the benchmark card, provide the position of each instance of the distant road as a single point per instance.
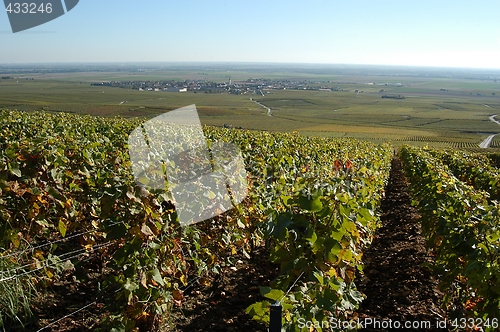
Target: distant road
(492, 118)
(486, 143)
(262, 105)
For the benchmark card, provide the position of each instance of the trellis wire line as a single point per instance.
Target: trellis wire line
(276, 309)
(289, 289)
(68, 315)
(88, 305)
(72, 313)
(53, 242)
(60, 256)
(191, 283)
(49, 265)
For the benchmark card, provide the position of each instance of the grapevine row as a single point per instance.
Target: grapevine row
(474, 169)
(66, 174)
(319, 201)
(461, 226)
(494, 159)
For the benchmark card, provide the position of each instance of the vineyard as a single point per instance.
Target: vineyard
(73, 217)
(460, 221)
(441, 142)
(496, 142)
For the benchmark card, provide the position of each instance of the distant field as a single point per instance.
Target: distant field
(496, 142)
(435, 111)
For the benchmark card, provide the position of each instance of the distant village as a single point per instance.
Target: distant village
(250, 86)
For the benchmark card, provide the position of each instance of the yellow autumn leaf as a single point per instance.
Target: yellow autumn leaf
(183, 279)
(41, 199)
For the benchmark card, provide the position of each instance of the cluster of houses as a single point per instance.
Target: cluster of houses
(250, 86)
(259, 86)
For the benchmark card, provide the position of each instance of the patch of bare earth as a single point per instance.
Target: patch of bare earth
(221, 306)
(398, 285)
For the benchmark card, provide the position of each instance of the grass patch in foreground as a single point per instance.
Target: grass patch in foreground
(16, 294)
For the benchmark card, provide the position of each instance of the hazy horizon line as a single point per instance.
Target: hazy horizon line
(244, 63)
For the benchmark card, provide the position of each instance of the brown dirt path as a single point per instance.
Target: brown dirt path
(397, 285)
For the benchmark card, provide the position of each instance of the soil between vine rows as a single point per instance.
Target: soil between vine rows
(221, 306)
(397, 286)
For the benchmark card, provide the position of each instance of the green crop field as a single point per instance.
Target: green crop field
(435, 110)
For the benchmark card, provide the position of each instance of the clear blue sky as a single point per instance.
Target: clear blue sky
(424, 33)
